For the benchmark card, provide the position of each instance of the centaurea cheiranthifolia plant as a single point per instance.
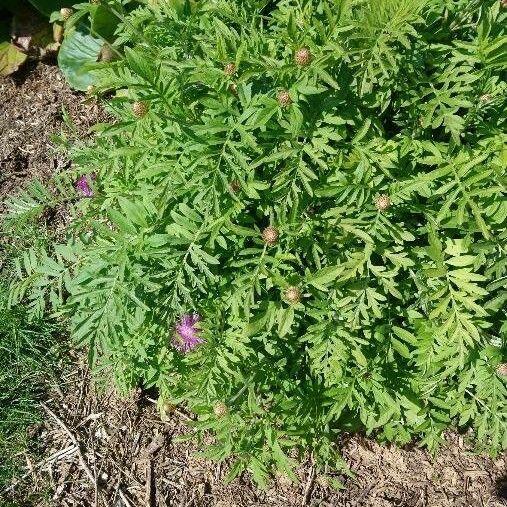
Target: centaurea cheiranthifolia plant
(338, 217)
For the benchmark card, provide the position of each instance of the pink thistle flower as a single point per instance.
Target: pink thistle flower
(186, 336)
(83, 185)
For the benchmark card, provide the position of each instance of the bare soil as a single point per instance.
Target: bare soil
(105, 450)
(32, 105)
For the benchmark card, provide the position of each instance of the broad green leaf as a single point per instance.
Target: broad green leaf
(464, 260)
(78, 52)
(405, 335)
(103, 22)
(401, 348)
(121, 221)
(324, 276)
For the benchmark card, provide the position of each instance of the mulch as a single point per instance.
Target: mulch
(107, 450)
(32, 105)
(103, 449)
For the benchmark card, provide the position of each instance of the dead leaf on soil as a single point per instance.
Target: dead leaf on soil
(10, 58)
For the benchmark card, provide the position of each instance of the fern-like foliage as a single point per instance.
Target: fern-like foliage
(381, 167)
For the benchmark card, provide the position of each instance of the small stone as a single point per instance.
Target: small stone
(270, 235)
(303, 56)
(225, 503)
(293, 295)
(229, 69)
(501, 464)
(382, 202)
(66, 13)
(283, 481)
(283, 98)
(220, 409)
(139, 109)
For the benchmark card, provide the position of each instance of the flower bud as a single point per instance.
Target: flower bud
(139, 109)
(106, 54)
(66, 13)
(270, 235)
(293, 295)
(235, 186)
(283, 98)
(57, 32)
(382, 202)
(220, 409)
(302, 56)
(501, 370)
(229, 69)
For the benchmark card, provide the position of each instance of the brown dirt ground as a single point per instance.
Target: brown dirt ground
(102, 450)
(31, 103)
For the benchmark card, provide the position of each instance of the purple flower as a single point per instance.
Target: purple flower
(186, 336)
(83, 185)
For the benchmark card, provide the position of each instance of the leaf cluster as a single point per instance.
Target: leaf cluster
(384, 175)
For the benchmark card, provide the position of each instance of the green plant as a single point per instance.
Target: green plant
(89, 38)
(20, 28)
(24, 30)
(311, 242)
(29, 354)
(82, 34)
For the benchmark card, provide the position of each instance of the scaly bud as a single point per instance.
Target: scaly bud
(66, 13)
(302, 56)
(270, 235)
(501, 370)
(283, 98)
(139, 109)
(229, 69)
(220, 409)
(382, 202)
(293, 295)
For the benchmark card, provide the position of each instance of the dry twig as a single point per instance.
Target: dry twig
(309, 484)
(82, 461)
(57, 456)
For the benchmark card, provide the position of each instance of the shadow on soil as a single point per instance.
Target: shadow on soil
(501, 487)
